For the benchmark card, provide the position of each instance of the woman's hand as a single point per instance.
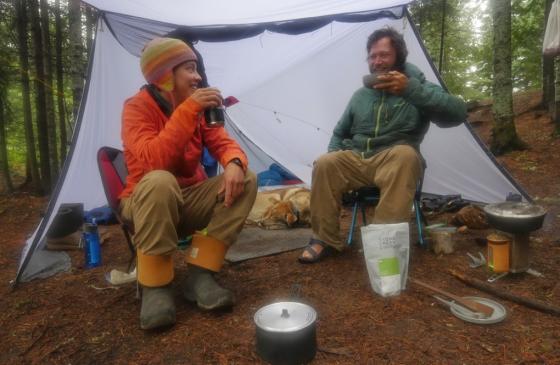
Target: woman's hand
(234, 183)
(208, 97)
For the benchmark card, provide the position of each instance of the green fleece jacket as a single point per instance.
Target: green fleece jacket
(375, 120)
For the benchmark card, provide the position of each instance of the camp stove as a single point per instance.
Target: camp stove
(517, 220)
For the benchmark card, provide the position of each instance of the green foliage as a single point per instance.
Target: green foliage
(10, 90)
(10, 86)
(468, 49)
(16, 134)
(527, 31)
(461, 69)
(7, 59)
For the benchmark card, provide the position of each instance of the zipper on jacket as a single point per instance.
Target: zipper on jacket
(378, 121)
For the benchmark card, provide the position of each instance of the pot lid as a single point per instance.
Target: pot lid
(515, 210)
(285, 317)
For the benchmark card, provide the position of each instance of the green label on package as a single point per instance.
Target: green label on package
(388, 266)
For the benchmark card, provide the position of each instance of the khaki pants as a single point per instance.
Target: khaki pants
(161, 211)
(395, 171)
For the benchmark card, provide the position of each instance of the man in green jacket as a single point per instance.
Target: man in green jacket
(376, 142)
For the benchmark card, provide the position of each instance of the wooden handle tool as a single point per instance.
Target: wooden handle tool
(467, 303)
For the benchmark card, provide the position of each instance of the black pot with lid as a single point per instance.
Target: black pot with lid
(286, 333)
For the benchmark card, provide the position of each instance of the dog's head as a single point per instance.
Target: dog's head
(282, 212)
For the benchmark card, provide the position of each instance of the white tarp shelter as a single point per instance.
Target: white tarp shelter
(292, 64)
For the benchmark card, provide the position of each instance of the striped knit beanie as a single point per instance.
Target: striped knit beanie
(160, 56)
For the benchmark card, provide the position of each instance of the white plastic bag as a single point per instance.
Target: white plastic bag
(386, 251)
(551, 41)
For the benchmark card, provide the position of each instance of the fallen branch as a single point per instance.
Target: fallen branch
(531, 303)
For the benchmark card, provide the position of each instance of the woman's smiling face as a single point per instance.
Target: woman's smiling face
(186, 80)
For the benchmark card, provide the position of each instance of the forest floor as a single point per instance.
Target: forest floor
(77, 318)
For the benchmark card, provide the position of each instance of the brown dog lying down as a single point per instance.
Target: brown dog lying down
(281, 209)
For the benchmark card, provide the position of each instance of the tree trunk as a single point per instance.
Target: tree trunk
(40, 99)
(4, 165)
(420, 5)
(90, 24)
(51, 120)
(60, 84)
(76, 54)
(547, 70)
(504, 135)
(21, 26)
(442, 36)
(557, 99)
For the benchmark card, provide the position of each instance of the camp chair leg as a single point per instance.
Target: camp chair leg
(420, 219)
(128, 239)
(130, 247)
(364, 218)
(353, 224)
(131, 262)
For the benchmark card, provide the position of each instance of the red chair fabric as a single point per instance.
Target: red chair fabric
(113, 172)
(113, 184)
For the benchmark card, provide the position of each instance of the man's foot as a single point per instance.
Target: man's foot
(314, 252)
(201, 287)
(158, 308)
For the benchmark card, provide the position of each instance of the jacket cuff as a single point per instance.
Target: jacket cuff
(238, 162)
(229, 156)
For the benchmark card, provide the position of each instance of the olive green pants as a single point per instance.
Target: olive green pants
(395, 171)
(161, 211)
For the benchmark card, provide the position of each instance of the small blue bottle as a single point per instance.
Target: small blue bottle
(92, 247)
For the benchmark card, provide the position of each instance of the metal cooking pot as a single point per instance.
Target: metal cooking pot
(515, 217)
(286, 333)
(67, 220)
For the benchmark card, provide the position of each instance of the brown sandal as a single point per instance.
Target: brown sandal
(315, 256)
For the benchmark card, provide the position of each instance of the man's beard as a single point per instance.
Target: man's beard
(381, 69)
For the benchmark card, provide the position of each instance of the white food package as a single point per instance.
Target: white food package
(386, 251)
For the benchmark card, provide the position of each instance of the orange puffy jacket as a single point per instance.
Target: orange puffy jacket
(152, 141)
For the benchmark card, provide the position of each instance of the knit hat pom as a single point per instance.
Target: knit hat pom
(160, 56)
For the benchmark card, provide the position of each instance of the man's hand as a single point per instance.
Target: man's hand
(208, 97)
(393, 82)
(233, 183)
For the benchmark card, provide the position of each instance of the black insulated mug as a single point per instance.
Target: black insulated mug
(214, 117)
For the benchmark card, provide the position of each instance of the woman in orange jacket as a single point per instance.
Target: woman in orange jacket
(167, 193)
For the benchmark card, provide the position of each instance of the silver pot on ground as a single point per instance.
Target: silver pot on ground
(515, 217)
(286, 333)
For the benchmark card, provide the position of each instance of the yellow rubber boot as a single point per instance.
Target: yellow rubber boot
(155, 273)
(206, 252)
(205, 257)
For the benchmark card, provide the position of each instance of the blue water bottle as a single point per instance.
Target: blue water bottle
(92, 248)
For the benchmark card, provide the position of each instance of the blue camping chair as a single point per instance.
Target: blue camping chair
(369, 196)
